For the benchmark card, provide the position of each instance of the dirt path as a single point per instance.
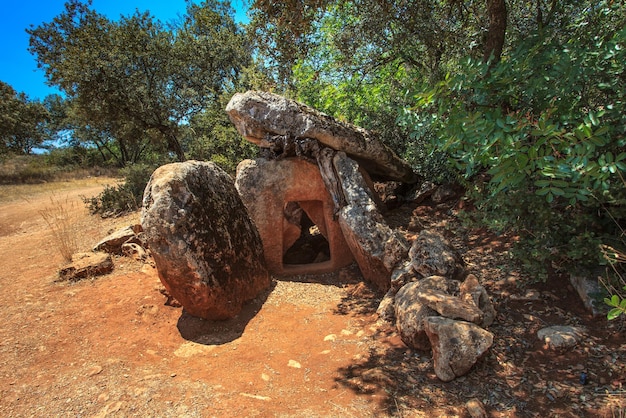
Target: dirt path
(110, 346)
(310, 348)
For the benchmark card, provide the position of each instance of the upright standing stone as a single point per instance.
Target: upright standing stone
(206, 249)
(377, 248)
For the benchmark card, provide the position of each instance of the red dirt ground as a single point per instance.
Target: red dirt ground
(308, 347)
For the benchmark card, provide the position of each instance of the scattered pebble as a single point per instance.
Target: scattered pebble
(294, 364)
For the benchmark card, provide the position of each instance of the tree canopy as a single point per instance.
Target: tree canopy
(23, 122)
(136, 80)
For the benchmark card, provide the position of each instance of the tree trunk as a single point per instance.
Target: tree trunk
(172, 142)
(497, 12)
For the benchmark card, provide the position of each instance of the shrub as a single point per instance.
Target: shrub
(123, 198)
(544, 131)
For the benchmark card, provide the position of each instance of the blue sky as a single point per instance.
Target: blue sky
(19, 68)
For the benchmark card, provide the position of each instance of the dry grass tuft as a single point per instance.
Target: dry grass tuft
(60, 217)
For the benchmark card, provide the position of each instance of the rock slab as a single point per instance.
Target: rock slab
(259, 115)
(86, 265)
(377, 248)
(207, 251)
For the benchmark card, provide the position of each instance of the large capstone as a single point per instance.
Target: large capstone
(260, 116)
(207, 251)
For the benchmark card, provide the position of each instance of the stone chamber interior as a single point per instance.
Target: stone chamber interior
(311, 247)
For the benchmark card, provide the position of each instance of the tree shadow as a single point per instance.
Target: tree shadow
(403, 379)
(207, 332)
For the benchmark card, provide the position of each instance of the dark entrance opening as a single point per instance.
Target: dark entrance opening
(311, 247)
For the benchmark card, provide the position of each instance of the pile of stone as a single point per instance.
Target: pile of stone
(125, 241)
(433, 309)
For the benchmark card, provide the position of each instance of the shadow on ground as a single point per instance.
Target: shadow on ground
(208, 332)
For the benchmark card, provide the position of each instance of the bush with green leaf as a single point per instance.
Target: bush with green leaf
(545, 132)
(122, 198)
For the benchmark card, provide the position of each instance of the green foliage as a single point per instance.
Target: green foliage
(544, 131)
(618, 306)
(134, 83)
(212, 137)
(123, 198)
(22, 122)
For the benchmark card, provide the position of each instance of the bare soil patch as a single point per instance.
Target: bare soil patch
(308, 347)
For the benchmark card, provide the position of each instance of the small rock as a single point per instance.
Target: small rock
(87, 265)
(112, 243)
(475, 408)
(530, 295)
(330, 337)
(561, 337)
(95, 370)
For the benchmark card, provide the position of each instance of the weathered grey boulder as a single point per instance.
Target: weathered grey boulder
(410, 314)
(410, 311)
(258, 116)
(561, 337)
(473, 292)
(112, 243)
(207, 251)
(431, 254)
(457, 345)
(377, 248)
(85, 265)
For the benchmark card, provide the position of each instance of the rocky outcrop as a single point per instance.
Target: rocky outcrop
(207, 251)
(456, 345)
(444, 315)
(377, 248)
(268, 119)
(410, 310)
